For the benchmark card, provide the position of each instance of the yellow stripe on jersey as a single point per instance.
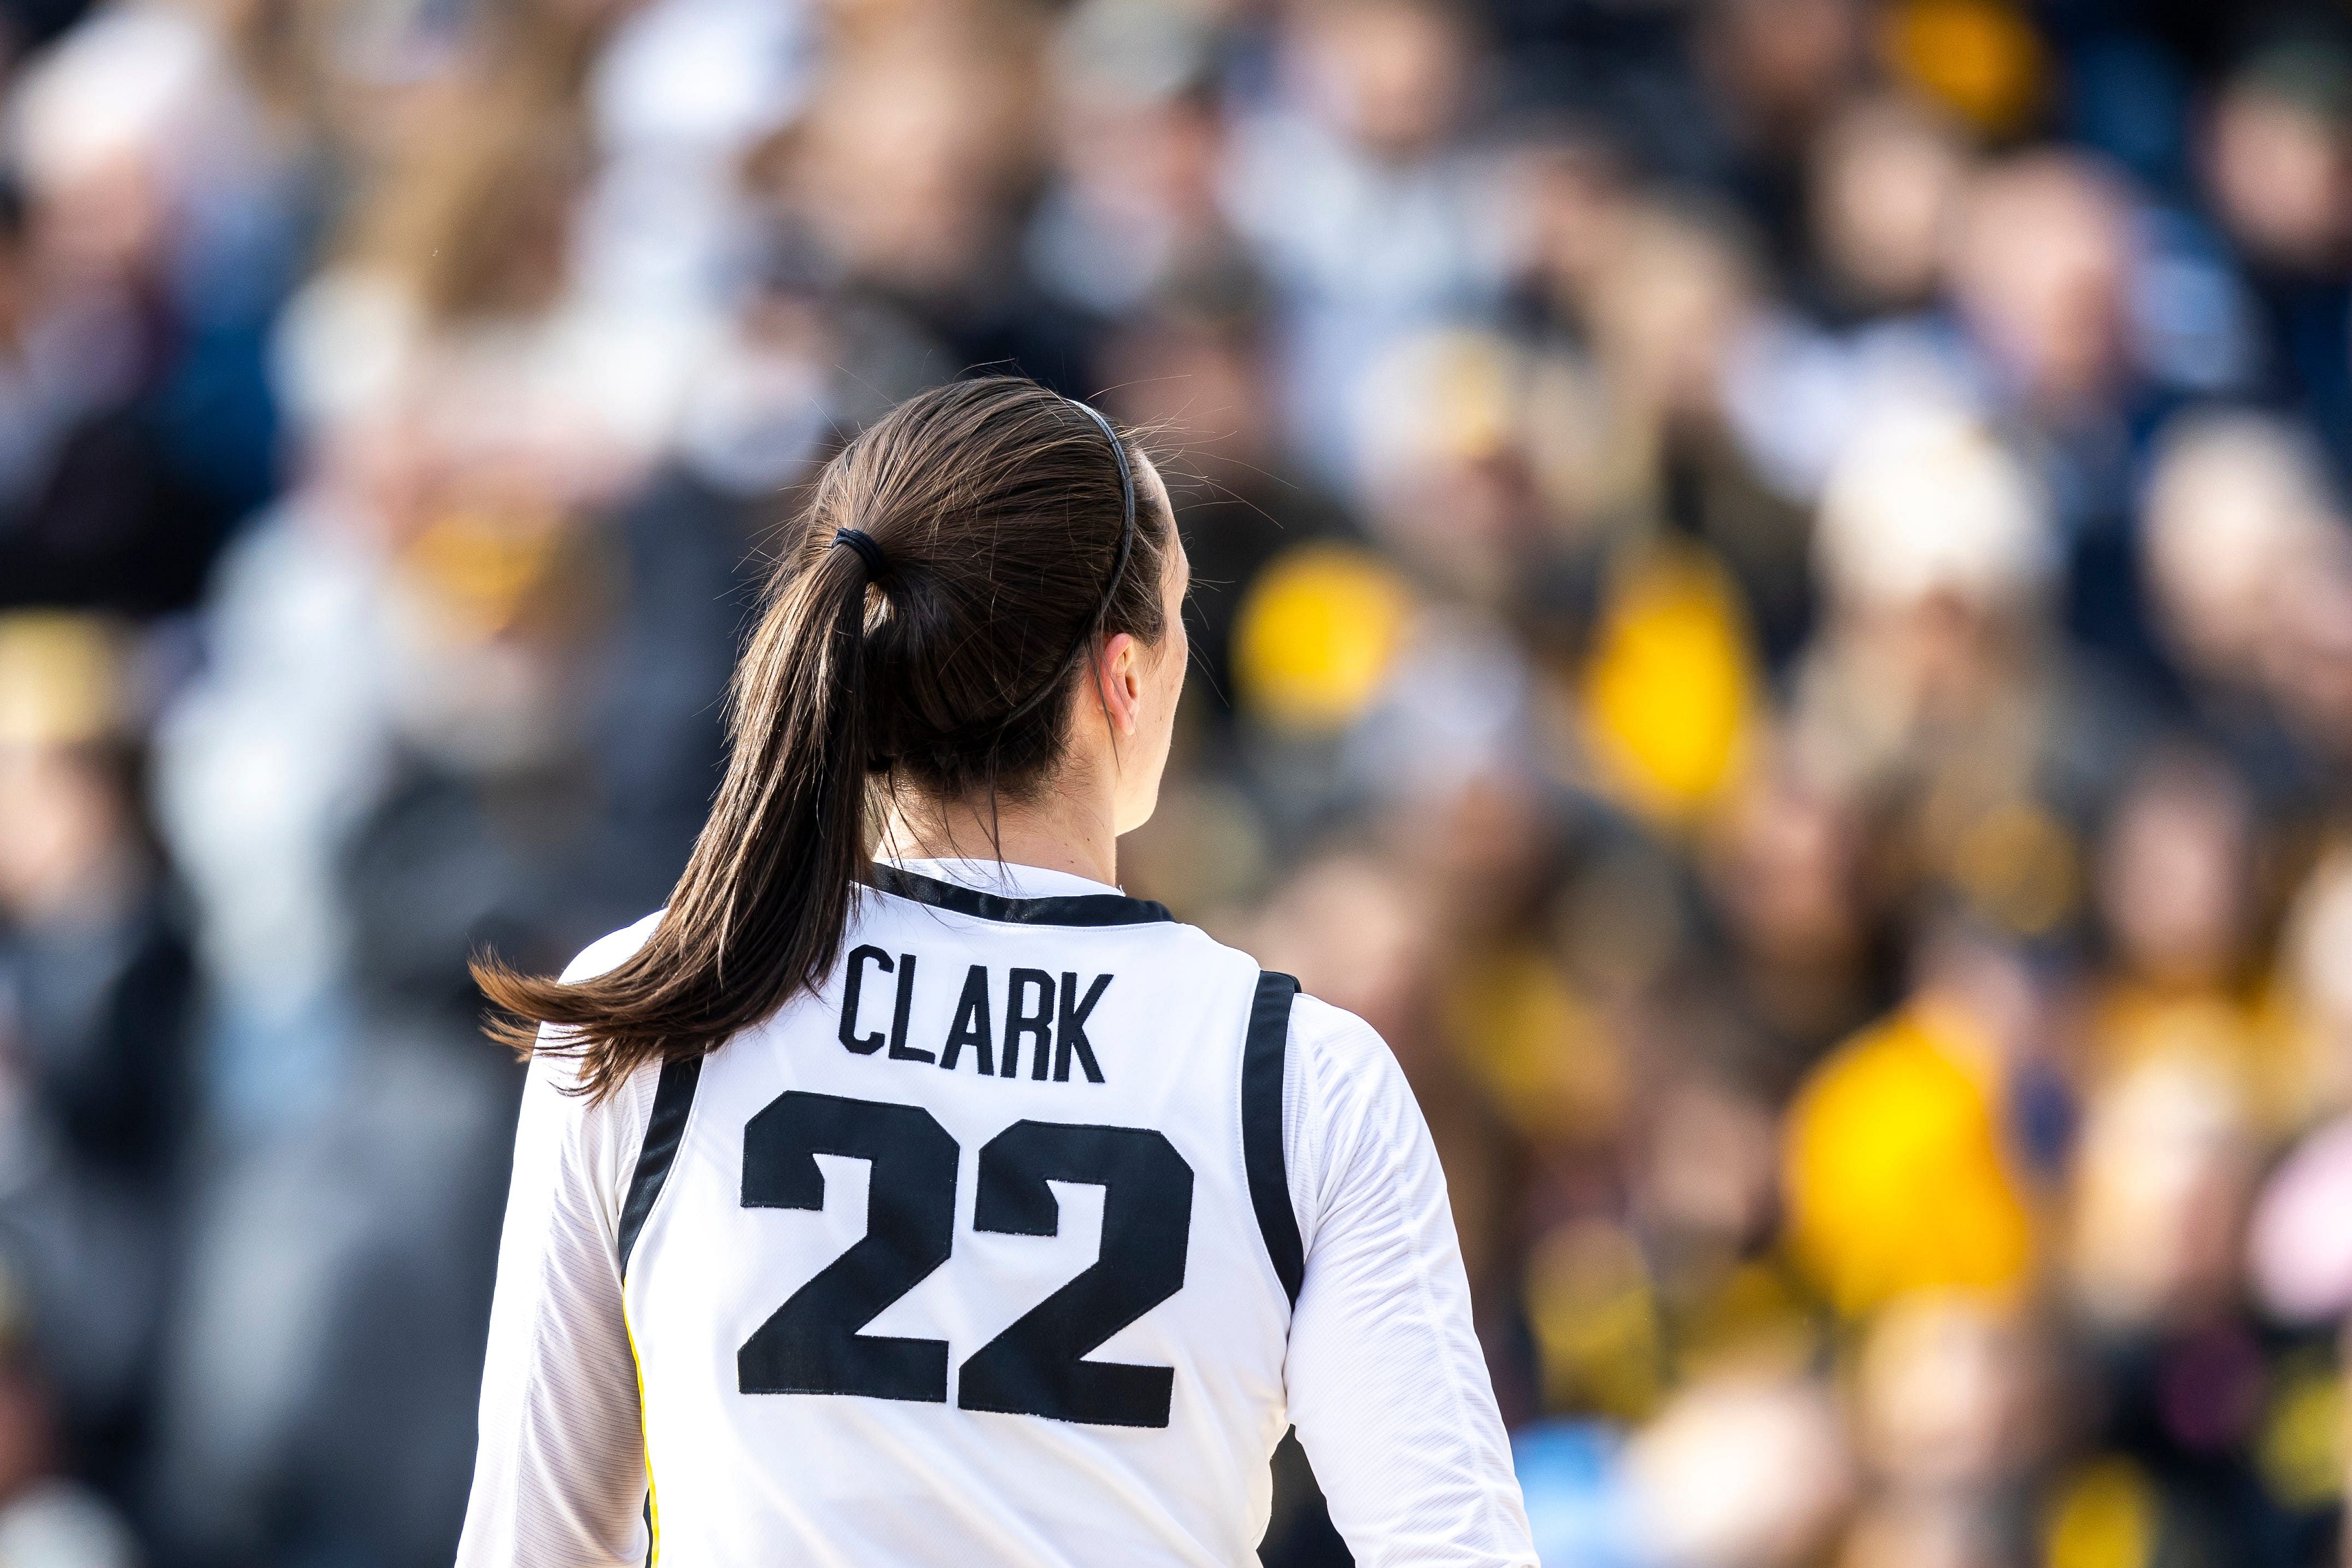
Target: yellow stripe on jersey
(645, 1437)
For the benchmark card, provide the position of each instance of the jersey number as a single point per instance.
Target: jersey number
(811, 1344)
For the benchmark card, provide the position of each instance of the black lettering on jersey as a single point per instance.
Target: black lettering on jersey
(899, 1049)
(852, 985)
(1018, 1021)
(816, 1343)
(972, 1025)
(1038, 1367)
(811, 1344)
(1070, 1031)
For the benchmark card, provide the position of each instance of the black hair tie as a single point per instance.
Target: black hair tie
(867, 550)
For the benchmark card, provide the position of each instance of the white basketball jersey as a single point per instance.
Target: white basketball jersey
(979, 1252)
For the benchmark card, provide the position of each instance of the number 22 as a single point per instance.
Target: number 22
(810, 1344)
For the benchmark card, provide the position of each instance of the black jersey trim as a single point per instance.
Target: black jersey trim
(1269, 1179)
(1070, 909)
(664, 1130)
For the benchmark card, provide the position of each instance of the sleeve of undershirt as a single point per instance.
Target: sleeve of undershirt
(560, 1469)
(1387, 1383)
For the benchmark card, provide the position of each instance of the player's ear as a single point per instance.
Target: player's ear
(1120, 676)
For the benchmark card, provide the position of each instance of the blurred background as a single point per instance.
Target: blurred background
(1774, 609)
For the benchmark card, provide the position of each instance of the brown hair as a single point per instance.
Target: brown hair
(995, 509)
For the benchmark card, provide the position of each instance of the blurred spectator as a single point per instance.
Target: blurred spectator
(1704, 1500)
(140, 264)
(2279, 160)
(95, 1014)
(1778, 67)
(1356, 187)
(1195, 373)
(2176, 893)
(1886, 178)
(1902, 1174)
(45, 1520)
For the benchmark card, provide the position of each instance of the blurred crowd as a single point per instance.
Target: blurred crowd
(1774, 609)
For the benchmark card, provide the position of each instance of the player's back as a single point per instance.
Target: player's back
(957, 1259)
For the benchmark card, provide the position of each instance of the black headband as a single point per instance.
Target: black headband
(1094, 622)
(867, 550)
(1110, 585)
(1125, 504)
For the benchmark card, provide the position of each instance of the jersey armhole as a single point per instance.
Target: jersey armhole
(1264, 1053)
(664, 1130)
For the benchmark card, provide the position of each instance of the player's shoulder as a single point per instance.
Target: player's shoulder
(1210, 966)
(1337, 1040)
(1332, 1033)
(562, 1068)
(610, 951)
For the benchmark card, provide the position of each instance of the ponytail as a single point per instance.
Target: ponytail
(759, 912)
(893, 647)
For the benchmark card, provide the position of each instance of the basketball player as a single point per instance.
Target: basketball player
(905, 1196)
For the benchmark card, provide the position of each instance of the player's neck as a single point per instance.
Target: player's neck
(1063, 829)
